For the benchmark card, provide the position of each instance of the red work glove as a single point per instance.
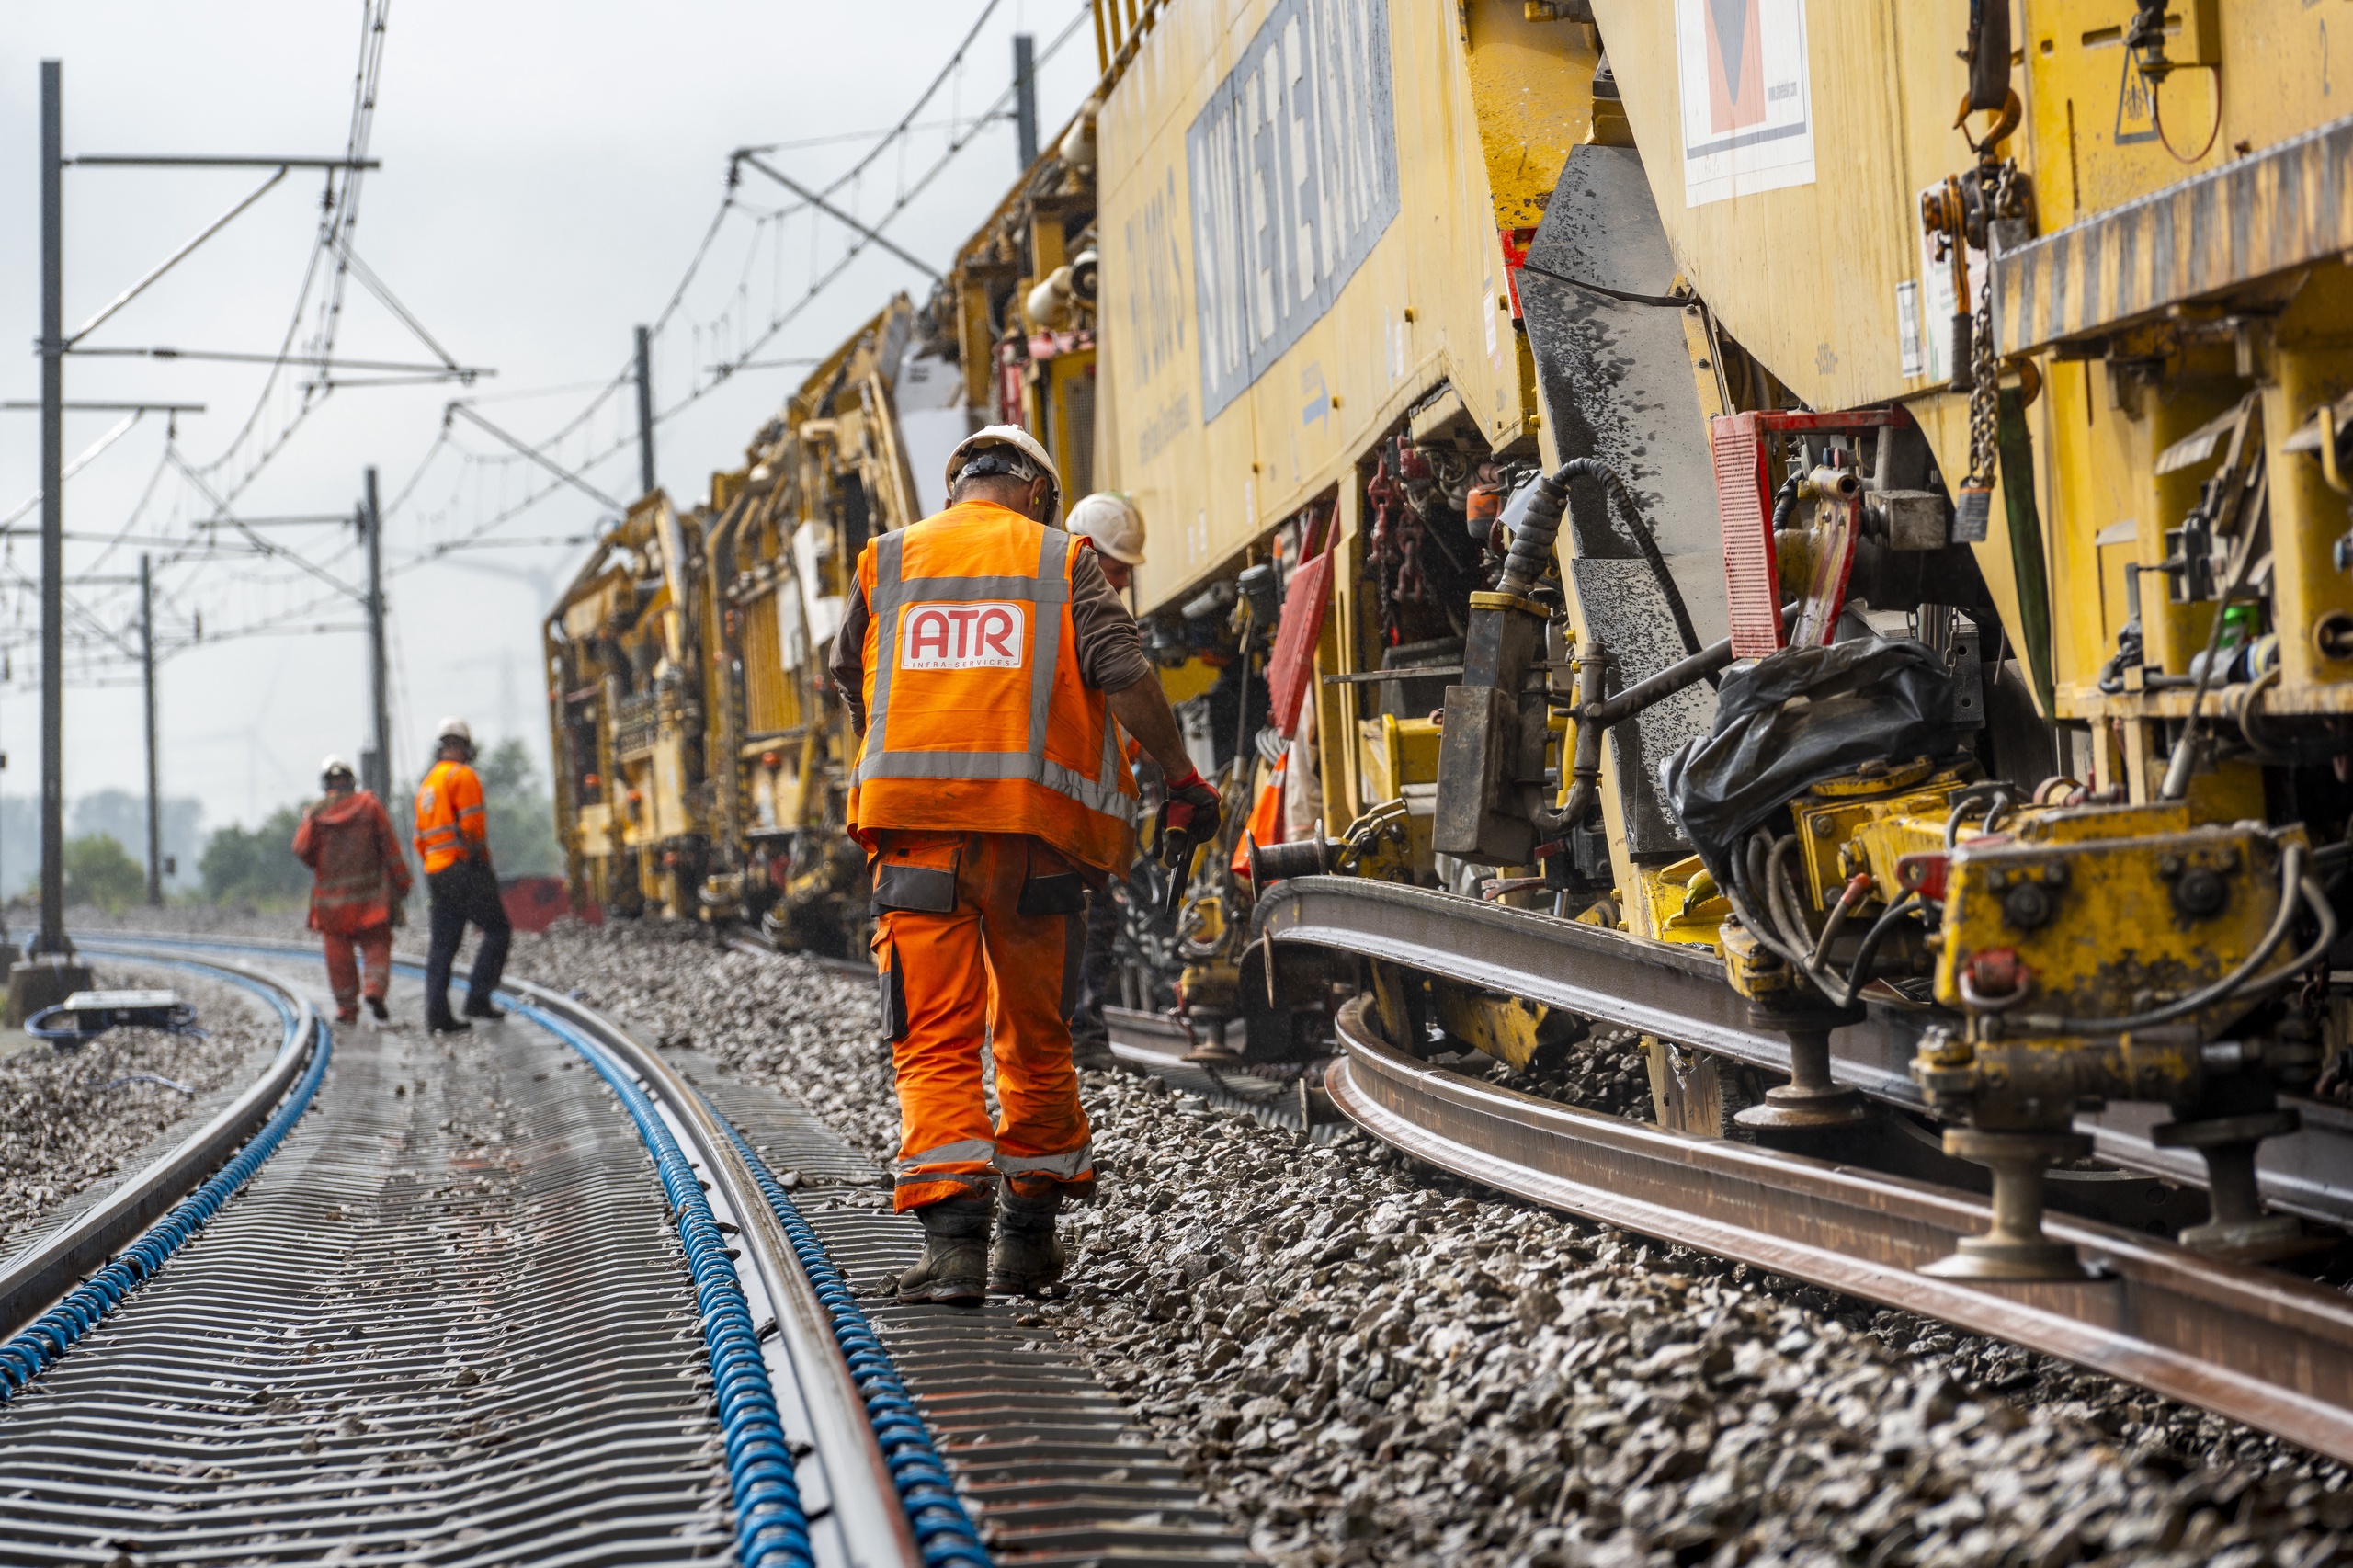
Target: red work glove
(1192, 808)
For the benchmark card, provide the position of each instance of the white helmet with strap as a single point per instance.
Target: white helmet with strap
(1007, 449)
(1113, 522)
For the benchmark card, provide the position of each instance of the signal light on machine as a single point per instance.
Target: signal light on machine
(771, 760)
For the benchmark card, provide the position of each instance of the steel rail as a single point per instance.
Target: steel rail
(1678, 992)
(2261, 1347)
(861, 1490)
(38, 1275)
(862, 1498)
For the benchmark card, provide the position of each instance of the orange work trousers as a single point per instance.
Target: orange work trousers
(375, 945)
(960, 917)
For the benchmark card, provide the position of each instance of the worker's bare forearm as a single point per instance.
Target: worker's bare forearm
(1142, 711)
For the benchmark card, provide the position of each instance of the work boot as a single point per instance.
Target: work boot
(448, 1026)
(346, 1013)
(955, 1263)
(483, 1009)
(1028, 1256)
(376, 1006)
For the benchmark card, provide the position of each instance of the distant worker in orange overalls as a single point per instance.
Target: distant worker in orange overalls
(453, 840)
(982, 659)
(359, 884)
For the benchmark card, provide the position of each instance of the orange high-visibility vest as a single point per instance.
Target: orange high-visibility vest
(977, 718)
(449, 814)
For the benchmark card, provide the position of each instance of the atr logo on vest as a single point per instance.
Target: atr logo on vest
(989, 634)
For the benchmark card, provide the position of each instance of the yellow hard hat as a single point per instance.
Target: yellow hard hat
(1113, 522)
(1008, 450)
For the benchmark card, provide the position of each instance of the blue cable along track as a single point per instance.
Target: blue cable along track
(33, 1349)
(943, 1529)
(771, 1522)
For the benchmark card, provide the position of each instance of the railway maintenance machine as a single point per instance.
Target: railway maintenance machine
(1814, 530)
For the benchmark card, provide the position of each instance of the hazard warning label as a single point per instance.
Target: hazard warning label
(1748, 100)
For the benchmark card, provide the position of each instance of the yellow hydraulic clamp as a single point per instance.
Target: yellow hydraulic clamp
(2139, 966)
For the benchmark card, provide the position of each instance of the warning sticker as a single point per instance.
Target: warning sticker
(988, 634)
(1748, 100)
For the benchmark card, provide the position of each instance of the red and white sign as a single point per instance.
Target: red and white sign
(1747, 95)
(991, 634)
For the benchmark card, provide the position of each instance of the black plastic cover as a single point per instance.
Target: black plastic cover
(1796, 718)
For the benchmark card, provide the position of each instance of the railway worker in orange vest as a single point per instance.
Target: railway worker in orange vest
(359, 883)
(453, 840)
(982, 659)
(1114, 526)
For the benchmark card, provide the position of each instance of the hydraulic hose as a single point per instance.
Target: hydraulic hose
(1594, 715)
(1537, 526)
(1782, 899)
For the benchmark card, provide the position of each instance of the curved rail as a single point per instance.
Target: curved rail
(1679, 992)
(169, 1200)
(882, 1488)
(863, 1495)
(2258, 1346)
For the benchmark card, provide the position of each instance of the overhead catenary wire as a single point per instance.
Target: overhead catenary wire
(719, 372)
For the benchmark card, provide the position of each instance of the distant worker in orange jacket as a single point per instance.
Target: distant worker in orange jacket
(982, 659)
(359, 884)
(453, 840)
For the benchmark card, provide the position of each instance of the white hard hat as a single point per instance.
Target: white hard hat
(333, 764)
(455, 729)
(1028, 459)
(1113, 522)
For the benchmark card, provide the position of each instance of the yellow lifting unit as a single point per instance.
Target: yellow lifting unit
(625, 645)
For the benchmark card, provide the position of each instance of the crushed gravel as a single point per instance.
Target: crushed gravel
(1374, 1363)
(72, 1119)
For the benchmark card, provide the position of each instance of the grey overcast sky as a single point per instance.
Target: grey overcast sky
(548, 171)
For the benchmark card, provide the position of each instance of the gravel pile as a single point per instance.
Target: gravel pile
(1606, 1071)
(1372, 1363)
(69, 1119)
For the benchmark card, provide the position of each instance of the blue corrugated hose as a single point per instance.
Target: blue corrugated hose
(53, 1333)
(942, 1528)
(771, 1524)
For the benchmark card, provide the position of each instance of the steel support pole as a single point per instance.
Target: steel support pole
(51, 939)
(645, 412)
(380, 706)
(147, 679)
(1024, 97)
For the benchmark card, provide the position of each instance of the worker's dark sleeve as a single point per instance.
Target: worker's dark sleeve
(847, 667)
(387, 846)
(1110, 649)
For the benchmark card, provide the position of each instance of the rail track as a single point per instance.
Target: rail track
(2253, 1344)
(452, 1315)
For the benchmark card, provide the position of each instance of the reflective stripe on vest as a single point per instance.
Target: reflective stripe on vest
(441, 822)
(1048, 591)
